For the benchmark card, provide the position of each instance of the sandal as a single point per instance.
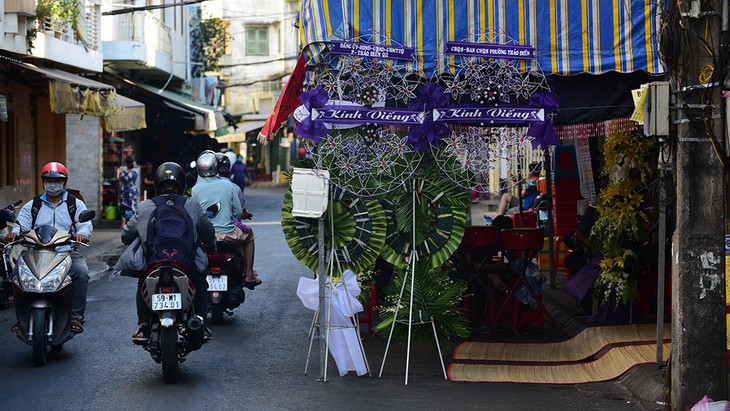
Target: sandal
(207, 334)
(252, 284)
(142, 336)
(76, 326)
(15, 328)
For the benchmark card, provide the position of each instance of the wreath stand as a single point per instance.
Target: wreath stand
(331, 282)
(411, 271)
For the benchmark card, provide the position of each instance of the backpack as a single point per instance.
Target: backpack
(70, 203)
(170, 232)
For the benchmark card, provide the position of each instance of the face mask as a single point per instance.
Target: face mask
(53, 189)
(239, 160)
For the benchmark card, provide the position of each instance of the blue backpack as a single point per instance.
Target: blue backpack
(170, 231)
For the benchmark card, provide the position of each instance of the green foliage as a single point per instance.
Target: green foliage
(63, 11)
(621, 225)
(435, 296)
(440, 214)
(209, 40)
(359, 232)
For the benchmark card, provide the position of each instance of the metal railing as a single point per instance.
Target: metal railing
(87, 30)
(144, 27)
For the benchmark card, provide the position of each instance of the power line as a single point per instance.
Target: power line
(253, 63)
(251, 83)
(154, 7)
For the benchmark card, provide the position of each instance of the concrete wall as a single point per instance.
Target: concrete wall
(278, 16)
(83, 158)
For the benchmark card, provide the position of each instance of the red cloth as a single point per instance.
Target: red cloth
(286, 104)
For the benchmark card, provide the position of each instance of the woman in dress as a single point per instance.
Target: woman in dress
(129, 185)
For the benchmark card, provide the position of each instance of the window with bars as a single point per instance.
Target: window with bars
(257, 41)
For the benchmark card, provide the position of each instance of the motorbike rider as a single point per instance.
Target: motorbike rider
(58, 208)
(169, 179)
(211, 189)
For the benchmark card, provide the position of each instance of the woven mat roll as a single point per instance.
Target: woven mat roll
(587, 343)
(613, 364)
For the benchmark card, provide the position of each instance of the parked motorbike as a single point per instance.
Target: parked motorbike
(225, 282)
(175, 329)
(6, 284)
(42, 288)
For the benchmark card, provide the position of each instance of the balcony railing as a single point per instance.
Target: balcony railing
(87, 30)
(144, 27)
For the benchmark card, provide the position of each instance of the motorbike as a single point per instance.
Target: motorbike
(175, 329)
(42, 289)
(225, 282)
(6, 284)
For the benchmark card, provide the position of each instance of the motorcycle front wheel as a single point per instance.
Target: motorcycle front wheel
(168, 349)
(40, 355)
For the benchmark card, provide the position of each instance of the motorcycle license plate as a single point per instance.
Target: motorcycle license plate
(543, 215)
(164, 302)
(217, 283)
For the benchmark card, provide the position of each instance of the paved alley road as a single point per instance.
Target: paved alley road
(255, 360)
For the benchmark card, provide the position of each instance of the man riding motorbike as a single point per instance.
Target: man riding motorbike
(211, 190)
(169, 181)
(58, 208)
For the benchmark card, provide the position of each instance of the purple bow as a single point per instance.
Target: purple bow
(308, 128)
(428, 133)
(542, 133)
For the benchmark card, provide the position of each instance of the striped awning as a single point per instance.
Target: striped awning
(570, 36)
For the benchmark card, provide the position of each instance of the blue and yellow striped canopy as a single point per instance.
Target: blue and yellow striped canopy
(570, 36)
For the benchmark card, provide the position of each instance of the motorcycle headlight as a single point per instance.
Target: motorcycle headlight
(56, 278)
(28, 281)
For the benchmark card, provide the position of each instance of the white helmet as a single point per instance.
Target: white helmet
(231, 156)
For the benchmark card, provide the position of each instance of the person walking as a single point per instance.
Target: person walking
(129, 186)
(239, 173)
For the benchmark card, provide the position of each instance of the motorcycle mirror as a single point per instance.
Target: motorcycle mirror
(7, 215)
(126, 211)
(87, 215)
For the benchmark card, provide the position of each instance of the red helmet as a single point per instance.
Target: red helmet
(54, 170)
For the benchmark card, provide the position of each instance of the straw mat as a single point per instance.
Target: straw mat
(613, 364)
(587, 343)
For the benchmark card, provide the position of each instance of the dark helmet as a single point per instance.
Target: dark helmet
(224, 163)
(207, 165)
(169, 175)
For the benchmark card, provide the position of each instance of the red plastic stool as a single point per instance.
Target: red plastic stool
(366, 317)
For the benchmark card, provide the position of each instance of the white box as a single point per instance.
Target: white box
(310, 192)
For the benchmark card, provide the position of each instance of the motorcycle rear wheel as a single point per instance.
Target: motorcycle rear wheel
(216, 314)
(40, 354)
(168, 349)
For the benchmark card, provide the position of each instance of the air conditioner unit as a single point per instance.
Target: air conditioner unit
(690, 8)
(656, 109)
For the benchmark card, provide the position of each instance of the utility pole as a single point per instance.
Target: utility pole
(698, 368)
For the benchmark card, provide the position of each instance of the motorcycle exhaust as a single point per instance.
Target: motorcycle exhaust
(194, 333)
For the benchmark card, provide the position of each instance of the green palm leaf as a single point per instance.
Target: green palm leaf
(435, 296)
(359, 232)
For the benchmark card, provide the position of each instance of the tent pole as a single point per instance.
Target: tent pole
(550, 226)
(661, 268)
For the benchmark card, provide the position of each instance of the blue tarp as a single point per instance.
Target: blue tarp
(570, 36)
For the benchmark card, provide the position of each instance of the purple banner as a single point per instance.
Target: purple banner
(503, 51)
(372, 50)
(492, 115)
(365, 115)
